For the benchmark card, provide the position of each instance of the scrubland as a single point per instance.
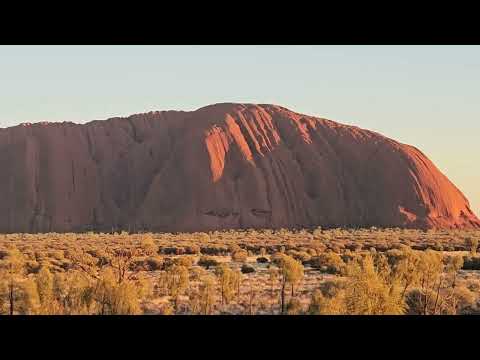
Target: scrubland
(316, 272)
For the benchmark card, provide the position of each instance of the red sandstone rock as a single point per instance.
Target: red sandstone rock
(221, 166)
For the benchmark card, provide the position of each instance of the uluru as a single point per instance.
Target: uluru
(223, 166)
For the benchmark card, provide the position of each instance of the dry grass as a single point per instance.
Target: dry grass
(154, 253)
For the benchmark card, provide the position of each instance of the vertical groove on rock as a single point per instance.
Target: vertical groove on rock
(73, 177)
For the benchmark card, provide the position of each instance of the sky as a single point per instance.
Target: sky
(426, 96)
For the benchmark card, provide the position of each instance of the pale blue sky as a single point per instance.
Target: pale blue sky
(427, 96)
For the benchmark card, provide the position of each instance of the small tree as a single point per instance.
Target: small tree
(177, 282)
(291, 272)
(405, 268)
(194, 302)
(121, 260)
(252, 294)
(60, 290)
(29, 301)
(104, 291)
(472, 244)
(430, 269)
(44, 281)
(226, 278)
(148, 246)
(273, 278)
(207, 294)
(237, 281)
(74, 292)
(454, 264)
(13, 269)
(115, 298)
(369, 292)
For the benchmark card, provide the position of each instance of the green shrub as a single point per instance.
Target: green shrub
(193, 249)
(262, 260)
(247, 269)
(329, 262)
(154, 263)
(3, 254)
(471, 263)
(207, 262)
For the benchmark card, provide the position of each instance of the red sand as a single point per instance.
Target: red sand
(221, 166)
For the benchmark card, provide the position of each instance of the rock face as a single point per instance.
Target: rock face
(221, 166)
